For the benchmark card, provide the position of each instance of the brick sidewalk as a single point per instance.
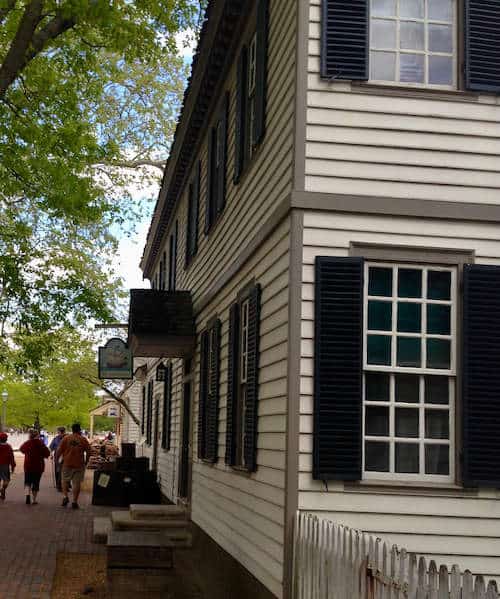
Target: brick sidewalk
(31, 536)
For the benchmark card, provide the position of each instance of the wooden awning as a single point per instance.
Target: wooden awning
(161, 324)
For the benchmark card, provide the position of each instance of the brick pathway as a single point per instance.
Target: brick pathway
(31, 537)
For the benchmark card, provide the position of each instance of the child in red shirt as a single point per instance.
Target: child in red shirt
(7, 464)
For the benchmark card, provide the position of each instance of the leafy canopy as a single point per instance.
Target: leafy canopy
(89, 95)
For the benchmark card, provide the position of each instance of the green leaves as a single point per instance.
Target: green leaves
(86, 121)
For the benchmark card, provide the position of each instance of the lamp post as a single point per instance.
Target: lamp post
(5, 396)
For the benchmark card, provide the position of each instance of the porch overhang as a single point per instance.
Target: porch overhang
(161, 324)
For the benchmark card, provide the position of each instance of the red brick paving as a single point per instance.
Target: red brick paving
(31, 536)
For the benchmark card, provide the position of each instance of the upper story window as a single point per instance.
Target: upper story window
(416, 43)
(251, 93)
(192, 219)
(216, 168)
(413, 42)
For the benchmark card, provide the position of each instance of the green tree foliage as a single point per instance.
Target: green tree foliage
(89, 94)
(56, 392)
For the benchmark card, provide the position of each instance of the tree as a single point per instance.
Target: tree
(89, 95)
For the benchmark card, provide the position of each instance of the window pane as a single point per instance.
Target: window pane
(441, 10)
(407, 458)
(437, 459)
(376, 456)
(409, 352)
(438, 353)
(384, 8)
(407, 388)
(437, 424)
(380, 282)
(406, 422)
(437, 390)
(440, 38)
(439, 285)
(409, 282)
(379, 316)
(412, 36)
(383, 66)
(440, 70)
(438, 319)
(383, 34)
(377, 387)
(409, 318)
(379, 349)
(411, 8)
(377, 421)
(411, 68)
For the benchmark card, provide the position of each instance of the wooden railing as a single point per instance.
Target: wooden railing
(335, 562)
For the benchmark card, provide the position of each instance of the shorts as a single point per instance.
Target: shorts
(73, 475)
(32, 480)
(5, 472)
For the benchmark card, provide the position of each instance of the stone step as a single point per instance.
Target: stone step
(124, 521)
(101, 529)
(140, 511)
(144, 549)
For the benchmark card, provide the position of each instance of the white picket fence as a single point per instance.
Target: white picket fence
(336, 562)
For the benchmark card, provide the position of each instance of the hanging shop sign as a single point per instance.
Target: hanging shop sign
(115, 360)
(113, 412)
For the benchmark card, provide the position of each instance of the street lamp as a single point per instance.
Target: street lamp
(5, 396)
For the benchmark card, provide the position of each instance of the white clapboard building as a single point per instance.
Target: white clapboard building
(323, 328)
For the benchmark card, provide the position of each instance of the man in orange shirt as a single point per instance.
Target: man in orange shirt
(75, 452)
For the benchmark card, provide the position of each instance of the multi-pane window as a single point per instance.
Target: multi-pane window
(409, 371)
(413, 42)
(251, 86)
(242, 381)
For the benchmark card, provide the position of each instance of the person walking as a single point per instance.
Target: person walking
(7, 464)
(54, 444)
(35, 454)
(74, 450)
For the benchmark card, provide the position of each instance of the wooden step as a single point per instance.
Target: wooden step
(140, 511)
(101, 529)
(124, 521)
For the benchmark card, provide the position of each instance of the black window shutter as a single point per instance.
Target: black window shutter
(202, 405)
(143, 414)
(481, 376)
(252, 391)
(149, 430)
(241, 115)
(209, 203)
(222, 142)
(232, 382)
(192, 222)
(338, 350)
(212, 418)
(167, 408)
(261, 71)
(344, 39)
(482, 45)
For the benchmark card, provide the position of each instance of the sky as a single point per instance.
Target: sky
(131, 248)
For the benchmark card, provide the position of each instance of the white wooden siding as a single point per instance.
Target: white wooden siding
(245, 514)
(450, 525)
(363, 142)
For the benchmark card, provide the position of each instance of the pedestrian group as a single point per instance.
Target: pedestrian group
(71, 454)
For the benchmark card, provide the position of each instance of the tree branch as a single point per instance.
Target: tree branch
(117, 398)
(28, 42)
(159, 164)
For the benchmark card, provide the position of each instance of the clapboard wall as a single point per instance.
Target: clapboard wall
(448, 524)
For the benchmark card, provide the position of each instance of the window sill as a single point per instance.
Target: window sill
(409, 488)
(241, 471)
(414, 92)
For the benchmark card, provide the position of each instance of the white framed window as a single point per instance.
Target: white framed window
(409, 366)
(414, 42)
(244, 341)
